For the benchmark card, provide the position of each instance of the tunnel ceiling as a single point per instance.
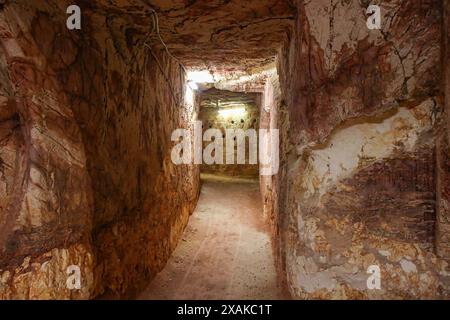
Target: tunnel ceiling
(214, 98)
(222, 36)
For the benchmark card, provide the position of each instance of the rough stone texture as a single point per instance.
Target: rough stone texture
(46, 200)
(364, 111)
(443, 197)
(446, 60)
(225, 36)
(226, 249)
(207, 34)
(253, 82)
(211, 101)
(443, 148)
(45, 276)
(273, 113)
(335, 60)
(86, 175)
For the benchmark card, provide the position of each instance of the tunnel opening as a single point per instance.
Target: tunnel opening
(236, 117)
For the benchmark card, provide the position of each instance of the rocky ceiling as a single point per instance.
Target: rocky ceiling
(219, 35)
(214, 98)
(227, 34)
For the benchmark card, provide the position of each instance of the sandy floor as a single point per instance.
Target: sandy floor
(225, 251)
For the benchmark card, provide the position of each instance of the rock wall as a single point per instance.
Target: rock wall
(274, 115)
(46, 197)
(86, 176)
(443, 149)
(365, 108)
(209, 102)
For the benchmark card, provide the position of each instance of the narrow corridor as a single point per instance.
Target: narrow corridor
(225, 251)
(115, 116)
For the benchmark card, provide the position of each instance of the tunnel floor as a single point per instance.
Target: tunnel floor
(225, 251)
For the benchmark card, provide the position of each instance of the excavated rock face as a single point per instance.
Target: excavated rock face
(225, 36)
(206, 34)
(365, 107)
(46, 199)
(86, 177)
(443, 149)
(274, 115)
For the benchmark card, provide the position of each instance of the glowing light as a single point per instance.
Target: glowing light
(203, 76)
(232, 112)
(192, 85)
(189, 95)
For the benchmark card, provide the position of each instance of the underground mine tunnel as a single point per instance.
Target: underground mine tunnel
(355, 97)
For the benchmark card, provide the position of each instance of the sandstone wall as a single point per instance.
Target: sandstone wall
(210, 102)
(365, 107)
(274, 115)
(443, 149)
(86, 176)
(46, 195)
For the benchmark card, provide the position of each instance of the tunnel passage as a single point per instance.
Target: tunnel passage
(86, 175)
(86, 178)
(225, 251)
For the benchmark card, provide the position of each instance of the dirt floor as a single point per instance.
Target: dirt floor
(225, 252)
